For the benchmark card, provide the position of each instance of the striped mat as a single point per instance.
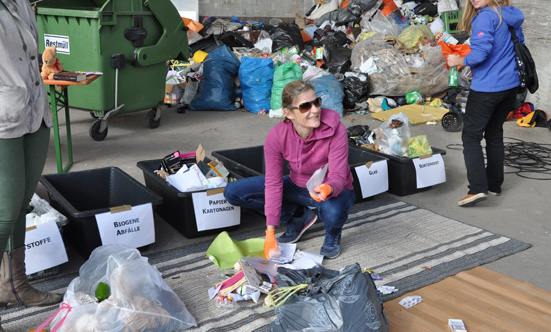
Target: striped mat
(409, 247)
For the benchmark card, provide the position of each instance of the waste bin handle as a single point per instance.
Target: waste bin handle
(173, 40)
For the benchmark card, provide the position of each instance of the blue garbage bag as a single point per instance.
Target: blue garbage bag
(331, 92)
(216, 89)
(256, 76)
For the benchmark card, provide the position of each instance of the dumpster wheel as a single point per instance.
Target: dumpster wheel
(95, 132)
(154, 117)
(452, 121)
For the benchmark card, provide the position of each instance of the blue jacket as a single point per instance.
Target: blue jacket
(492, 56)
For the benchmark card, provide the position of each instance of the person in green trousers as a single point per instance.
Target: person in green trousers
(25, 122)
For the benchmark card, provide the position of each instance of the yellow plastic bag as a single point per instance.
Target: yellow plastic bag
(411, 35)
(419, 146)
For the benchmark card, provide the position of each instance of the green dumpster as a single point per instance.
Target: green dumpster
(128, 41)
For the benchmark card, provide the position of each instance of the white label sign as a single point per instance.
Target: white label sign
(44, 248)
(134, 227)
(429, 171)
(373, 180)
(212, 211)
(61, 43)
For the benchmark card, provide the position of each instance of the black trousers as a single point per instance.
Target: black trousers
(484, 117)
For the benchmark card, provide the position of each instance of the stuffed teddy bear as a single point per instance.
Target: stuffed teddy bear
(51, 64)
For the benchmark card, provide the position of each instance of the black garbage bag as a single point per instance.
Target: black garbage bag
(358, 134)
(355, 90)
(207, 23)
(233, 39)
(337, 59)
(337, 38)
(208, 45)
(341, 16)
(429, 8)
(286, 35)
(344, 301)
(358, 7)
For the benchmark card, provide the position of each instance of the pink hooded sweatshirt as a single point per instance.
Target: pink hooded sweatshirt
(327, 144)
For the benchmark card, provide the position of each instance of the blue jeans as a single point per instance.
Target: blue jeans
(486, 112)
(249, 193)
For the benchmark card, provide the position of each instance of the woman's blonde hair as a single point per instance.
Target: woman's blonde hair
(291, 91)
(469, 12)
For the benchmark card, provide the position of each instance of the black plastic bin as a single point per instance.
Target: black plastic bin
(402, 180)
(83, 194)
(246, 162)
(177, 208)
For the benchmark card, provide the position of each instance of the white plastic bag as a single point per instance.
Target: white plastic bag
(316, 179)
(140, 300)
(323, 9)
(446, 6)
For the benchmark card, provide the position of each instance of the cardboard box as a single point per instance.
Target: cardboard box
(193, 214)
(174, 93)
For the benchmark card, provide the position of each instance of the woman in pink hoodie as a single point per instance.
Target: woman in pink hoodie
(309, 138)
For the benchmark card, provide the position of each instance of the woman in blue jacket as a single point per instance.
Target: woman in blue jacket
(493, 91)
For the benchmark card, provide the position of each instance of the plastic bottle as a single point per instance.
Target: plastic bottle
(452, 77)
(265, 53)
(444, 36)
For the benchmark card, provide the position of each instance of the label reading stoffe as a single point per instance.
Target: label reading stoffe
(133, 227)
(61, 43)
(373, 178)
(44, 248)
(429, 171)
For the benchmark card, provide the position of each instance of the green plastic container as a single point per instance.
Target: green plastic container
(450, 19)
(89, 32)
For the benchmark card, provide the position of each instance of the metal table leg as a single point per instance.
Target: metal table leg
(58, 101)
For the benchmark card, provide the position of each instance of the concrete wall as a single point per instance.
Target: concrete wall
(536, 29)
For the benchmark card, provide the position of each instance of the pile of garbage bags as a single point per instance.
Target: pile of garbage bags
(350, 51)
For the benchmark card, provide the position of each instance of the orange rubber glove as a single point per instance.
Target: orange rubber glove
(323, 190)
(270, 243)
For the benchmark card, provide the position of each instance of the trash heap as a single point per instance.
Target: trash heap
(360, 55)
(295, 284)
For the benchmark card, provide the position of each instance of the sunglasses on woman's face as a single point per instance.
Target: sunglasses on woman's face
(306, 106)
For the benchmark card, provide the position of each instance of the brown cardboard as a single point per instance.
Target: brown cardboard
(169, 87)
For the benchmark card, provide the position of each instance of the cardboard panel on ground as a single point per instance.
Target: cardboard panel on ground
(417, 114)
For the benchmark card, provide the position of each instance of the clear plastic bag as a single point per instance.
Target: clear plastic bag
(393, 76)
(393, 136)
(140, 299)
(380, 23)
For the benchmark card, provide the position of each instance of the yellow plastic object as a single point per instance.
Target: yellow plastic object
(436, 102)
(419, 146)
(199, 56)
(411, 35)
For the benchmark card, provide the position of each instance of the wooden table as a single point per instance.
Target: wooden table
(59, 99)
(485, 300)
